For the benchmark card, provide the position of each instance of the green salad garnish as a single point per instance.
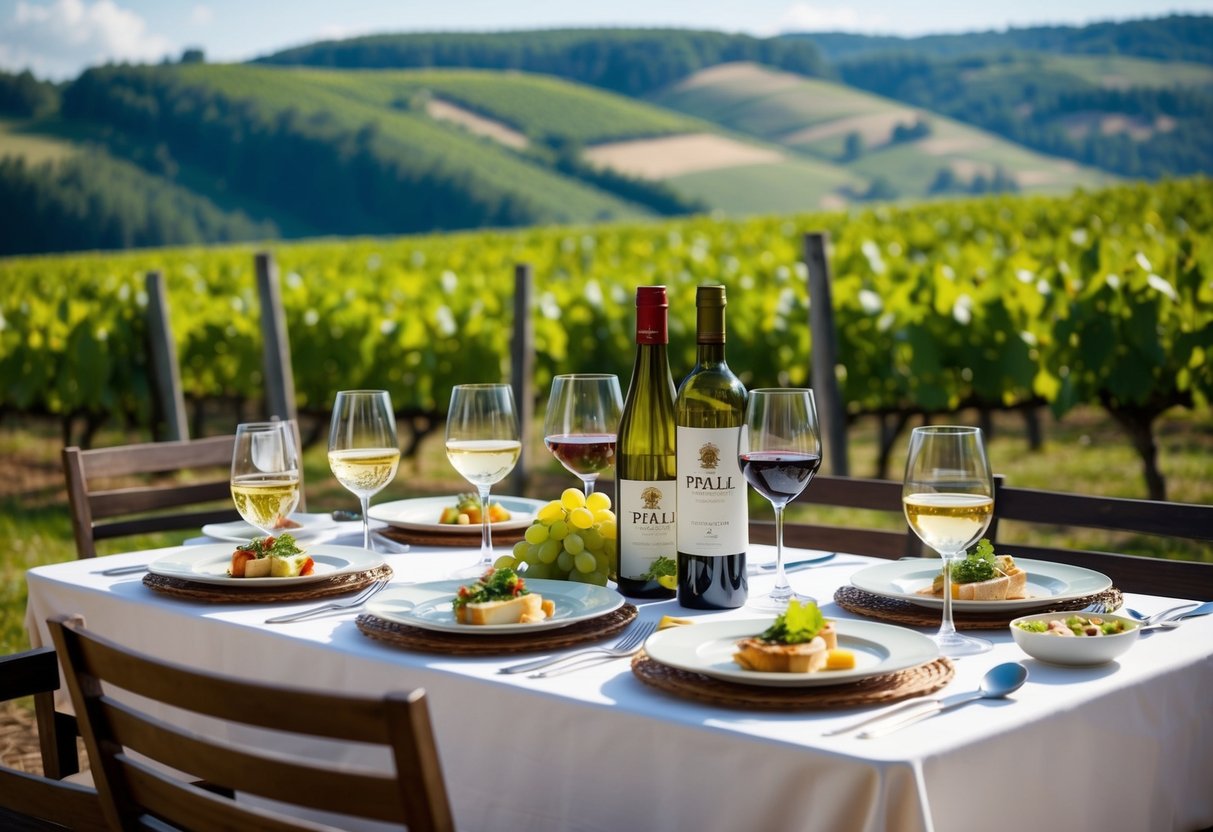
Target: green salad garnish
(493, 585)
(801, 623)
(282, 546)
(978, 565)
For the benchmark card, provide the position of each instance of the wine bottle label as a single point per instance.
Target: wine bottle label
(713, 518)
(647, 530)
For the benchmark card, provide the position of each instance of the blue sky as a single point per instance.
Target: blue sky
(59, 38)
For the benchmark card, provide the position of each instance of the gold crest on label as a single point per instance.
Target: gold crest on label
(709, 456)
(651, 497)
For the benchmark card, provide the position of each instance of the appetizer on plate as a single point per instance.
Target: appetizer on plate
(500, 596)
(271, 557)
(983, 576)
(467, 512)
(800, 641)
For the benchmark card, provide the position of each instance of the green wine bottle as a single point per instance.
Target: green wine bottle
(713, 518)
(645, 460)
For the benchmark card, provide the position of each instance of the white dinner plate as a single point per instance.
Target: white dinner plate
(238, 531)
(708, 648)
(421, 514)
(1048, 583)
(428, 606)
(209, 564)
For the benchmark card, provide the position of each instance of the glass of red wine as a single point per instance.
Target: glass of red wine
(582, 418)
(779, 452)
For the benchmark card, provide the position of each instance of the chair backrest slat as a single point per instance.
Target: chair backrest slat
(29, 801)
(306, 785)
(1149, 575)
(93, 497)
(847, 492)
(398, 723)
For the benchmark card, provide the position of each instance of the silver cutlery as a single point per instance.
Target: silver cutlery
(770, 567)
(348, 604)
(1159, 616)
(1153, 623)
(1000, 681)
(122, 570)
(629, 643)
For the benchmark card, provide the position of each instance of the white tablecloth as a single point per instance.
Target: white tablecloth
(1126, 746)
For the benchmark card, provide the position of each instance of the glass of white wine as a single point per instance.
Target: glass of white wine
(483, 445)
(265, 474)
(363, 453)
(948, 496)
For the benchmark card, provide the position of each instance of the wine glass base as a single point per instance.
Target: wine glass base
(953, 645)
(777, 603)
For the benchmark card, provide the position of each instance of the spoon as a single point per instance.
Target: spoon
(1158, 616)
(1152, 623)
(1000, 681)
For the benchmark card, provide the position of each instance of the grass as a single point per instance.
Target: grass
(1083, 453)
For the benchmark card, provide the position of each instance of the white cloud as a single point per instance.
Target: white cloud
(811, 17)
(61, 38)
(202, 15)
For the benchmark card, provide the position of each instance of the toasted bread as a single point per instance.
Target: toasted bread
(772, 657)
(994, 589)
(524, 609)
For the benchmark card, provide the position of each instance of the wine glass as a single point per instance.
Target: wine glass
(948, 498)
(482, 443)
(265, 474)
(779, 452)
(363, 453)
(582, 417)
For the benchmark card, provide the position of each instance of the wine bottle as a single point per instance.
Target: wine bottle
(713, 518)
(645, 459)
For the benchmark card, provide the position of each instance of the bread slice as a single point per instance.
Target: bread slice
(1018, 578)
(994, 589)
(257, 568)
(772, 657)
(524, 609)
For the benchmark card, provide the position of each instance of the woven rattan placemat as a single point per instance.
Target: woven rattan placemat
(262, 594)
(437, 641)
(896, 611)
(874, 690)
(466, 540)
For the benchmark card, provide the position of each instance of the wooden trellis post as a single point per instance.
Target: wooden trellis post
(831, 412)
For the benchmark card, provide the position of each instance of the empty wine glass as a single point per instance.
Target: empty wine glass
(482, 443)
(363, 453)
(582, 418)
(265, 474)
(779, 452)
(948, 498)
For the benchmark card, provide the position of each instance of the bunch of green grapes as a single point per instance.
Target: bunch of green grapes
(572, 539)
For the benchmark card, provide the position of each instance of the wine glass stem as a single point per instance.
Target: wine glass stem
(366, 523)
(486, 529)
(946, 627)
(588, 484)
(782, 587)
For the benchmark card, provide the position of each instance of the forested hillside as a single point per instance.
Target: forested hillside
(1172, 38)
(628, 61)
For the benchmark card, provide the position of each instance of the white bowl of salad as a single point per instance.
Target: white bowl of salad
(1075, 638)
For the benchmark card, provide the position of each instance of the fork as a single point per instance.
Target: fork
(350, 603)
(629, 643)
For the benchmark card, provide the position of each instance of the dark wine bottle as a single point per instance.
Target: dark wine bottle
(713, 518)
(645, 461)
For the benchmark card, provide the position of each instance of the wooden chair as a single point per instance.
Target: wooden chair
(139, 795)
(33, 802)
(143, 507)
(1149, 575)
(847, 492)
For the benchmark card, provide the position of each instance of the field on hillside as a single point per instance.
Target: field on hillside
(817, 117)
